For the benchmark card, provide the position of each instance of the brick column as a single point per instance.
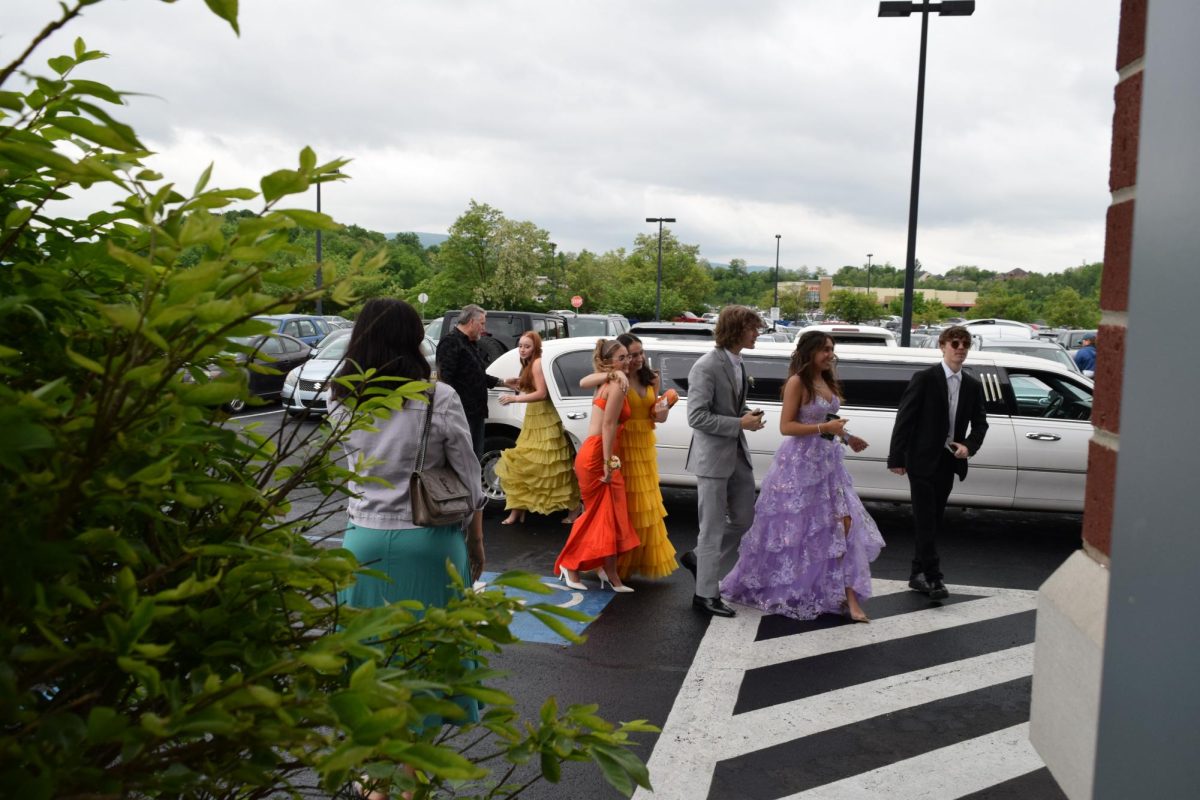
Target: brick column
(1114, 287)
(1073, 603)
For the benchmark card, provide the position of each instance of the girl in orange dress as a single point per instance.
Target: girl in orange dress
(603, 531)
(655, 556)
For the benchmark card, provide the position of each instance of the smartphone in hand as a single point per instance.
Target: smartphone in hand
(829, 418)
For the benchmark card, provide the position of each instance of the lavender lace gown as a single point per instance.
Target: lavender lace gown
(796, 559)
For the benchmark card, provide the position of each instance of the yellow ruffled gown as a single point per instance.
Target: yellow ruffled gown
(538, 474)
(655, 556)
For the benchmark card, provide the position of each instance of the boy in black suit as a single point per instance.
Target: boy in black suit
(930, 444)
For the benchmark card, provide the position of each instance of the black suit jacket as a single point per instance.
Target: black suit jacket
(919, 436)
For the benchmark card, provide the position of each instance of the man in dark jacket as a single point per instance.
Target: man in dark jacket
(460, 364)
(931, 445)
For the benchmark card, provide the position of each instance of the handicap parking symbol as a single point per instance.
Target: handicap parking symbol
(528, 628)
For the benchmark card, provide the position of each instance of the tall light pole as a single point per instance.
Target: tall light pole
(551, 276)
(946, 8)
(869, 272)
(658, 292)
(778, 236)
(320, 307)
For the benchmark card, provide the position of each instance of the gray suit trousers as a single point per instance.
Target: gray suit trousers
(726, 508)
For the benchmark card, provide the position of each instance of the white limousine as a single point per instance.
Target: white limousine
(1034, 456)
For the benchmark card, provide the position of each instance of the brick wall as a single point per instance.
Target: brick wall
(1114, 288)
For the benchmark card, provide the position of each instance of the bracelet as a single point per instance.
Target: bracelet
(819, 431)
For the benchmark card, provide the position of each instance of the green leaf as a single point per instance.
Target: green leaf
(100, 134)
(85, 362)
(212, 393)
(17, 217)
(441, 761)
(202, 181)
(61, 64)
(525, 581)
(13, 101)
(95, 89)
(308, 159)
(281, 182)
(226, 10)
(557, 626)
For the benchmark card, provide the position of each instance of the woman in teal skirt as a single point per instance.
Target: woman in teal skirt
(381, 533)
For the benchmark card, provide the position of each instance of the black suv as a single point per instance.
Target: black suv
(505, 328)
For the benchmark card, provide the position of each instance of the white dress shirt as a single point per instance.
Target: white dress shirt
(953, 386)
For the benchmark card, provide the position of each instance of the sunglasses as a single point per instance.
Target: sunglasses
(960, 345)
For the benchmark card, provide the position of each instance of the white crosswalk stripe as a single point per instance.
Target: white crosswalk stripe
(702, 729)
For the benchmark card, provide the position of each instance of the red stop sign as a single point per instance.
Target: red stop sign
(576, 301)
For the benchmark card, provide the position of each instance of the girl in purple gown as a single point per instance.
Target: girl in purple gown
(808, 551)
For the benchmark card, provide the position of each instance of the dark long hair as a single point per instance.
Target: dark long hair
(808, 344)
(386, 337)
(525, 379)
(647, 376)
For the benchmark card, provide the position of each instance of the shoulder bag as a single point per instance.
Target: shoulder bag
(438, 495)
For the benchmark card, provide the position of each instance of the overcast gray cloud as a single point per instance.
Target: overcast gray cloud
(742, 120)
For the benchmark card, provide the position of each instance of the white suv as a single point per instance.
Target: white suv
(1034, 456)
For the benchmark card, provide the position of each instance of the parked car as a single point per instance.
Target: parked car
(847, 333)
(307, 328)
(306, 387)
(338, 322)
(689, 330)
(1034, 456)
(275, 352)
(999, 328)
(506, 327)
(1072, 339)
(1038, 348)
(606, 325)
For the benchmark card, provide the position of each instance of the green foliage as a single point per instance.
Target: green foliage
(925, 311)
(166, 629)
(1066, 309)
(999, 300)
(853, 306)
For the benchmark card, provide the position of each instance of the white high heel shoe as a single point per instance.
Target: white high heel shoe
(603, 576)
(577, 586)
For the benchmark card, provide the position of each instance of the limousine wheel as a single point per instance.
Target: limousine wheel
(493, 446)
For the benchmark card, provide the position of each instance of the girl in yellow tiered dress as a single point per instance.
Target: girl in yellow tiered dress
(538, 474)
(655, 556)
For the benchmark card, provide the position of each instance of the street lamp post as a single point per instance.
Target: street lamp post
(869, 272)
(946, 8)
(778, 236)
(658, 292)
(551, 276)
(320, 308)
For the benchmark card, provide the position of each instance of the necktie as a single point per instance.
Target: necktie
(952, 385)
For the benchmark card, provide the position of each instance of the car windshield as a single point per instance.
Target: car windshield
(588, 327)
(335, 350)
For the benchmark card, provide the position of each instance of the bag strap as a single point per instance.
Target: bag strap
(425, 432)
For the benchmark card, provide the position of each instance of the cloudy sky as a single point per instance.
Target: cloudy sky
(742, 119)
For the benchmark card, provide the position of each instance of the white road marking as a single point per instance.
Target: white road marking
(259, 414)
(701, 729)
(954, 771)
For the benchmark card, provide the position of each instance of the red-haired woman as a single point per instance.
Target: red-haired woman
(538, 473)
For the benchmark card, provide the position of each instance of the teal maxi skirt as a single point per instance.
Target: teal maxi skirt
(415, 560)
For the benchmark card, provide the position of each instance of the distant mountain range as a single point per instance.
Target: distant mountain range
(427, 239)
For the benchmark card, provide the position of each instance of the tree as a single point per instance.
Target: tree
(1066, 309)
(1000, 302)
(681, 269)
(491, 260)
(166, 629)
(852, 306)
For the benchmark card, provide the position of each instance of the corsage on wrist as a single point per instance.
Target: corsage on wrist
(613, 462)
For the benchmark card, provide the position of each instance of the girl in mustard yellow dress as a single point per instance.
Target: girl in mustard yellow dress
(655, 556)
(538, 474)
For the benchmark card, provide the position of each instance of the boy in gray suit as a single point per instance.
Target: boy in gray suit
(719, 456)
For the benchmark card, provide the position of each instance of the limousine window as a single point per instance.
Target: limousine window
(766, 377)
(569, 369)
(874, 385)
(673, 369)
(1049, 396)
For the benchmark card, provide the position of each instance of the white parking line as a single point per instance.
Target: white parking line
(259, 414)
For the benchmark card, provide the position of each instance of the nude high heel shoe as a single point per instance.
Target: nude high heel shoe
(600, 573)
(577, 586)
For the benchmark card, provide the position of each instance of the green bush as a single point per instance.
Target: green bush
(166, 629)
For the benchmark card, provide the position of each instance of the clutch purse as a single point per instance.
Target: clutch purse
(828, 418)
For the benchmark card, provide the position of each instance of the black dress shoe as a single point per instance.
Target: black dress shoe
(713, 606)
(938, 590)
(687, 560)
(918, 584)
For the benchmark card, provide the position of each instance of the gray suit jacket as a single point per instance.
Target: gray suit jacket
(715, 405)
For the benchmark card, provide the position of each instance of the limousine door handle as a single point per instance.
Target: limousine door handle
(1043, 437)
(577, 415)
